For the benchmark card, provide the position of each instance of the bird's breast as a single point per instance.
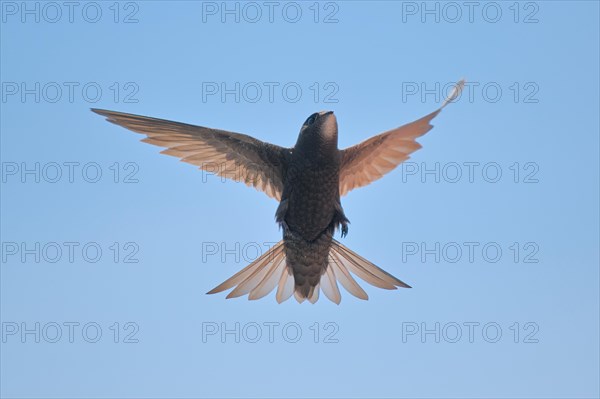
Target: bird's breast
(312, 192)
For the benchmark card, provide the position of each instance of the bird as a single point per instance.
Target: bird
(308, 181)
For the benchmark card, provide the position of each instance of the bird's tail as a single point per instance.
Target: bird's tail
(271, 269)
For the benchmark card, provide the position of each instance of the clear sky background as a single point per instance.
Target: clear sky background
(532, 107)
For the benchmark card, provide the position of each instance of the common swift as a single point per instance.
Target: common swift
(308, 181)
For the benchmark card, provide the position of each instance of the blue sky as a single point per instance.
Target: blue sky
(168, 233)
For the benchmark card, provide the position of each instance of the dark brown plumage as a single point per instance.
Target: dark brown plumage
(308, 181)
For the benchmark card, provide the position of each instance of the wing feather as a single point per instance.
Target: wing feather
(368, 161)
(231, 155)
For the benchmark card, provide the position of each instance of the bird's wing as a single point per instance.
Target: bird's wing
(231, 155)
(368, 161)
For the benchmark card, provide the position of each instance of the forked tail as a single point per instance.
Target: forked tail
(271, 269)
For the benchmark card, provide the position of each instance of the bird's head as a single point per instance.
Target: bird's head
(319, 132)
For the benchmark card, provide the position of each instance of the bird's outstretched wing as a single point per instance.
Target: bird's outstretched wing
(368, 161)
(232, 155)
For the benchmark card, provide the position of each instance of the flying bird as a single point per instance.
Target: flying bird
(308, 181)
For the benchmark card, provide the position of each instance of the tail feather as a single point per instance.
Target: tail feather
(345, 278)
(313, 296)
(286, 286)
(329, 285)
(247, 271)
(262, 271)
(365, 269)
(299, 297)
(260, 277)
(270, 280)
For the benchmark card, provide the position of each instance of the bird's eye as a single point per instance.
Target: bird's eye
(311, 119)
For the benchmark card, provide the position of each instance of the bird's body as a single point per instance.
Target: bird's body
(308, 180)
(310, 208)
(310, 196)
